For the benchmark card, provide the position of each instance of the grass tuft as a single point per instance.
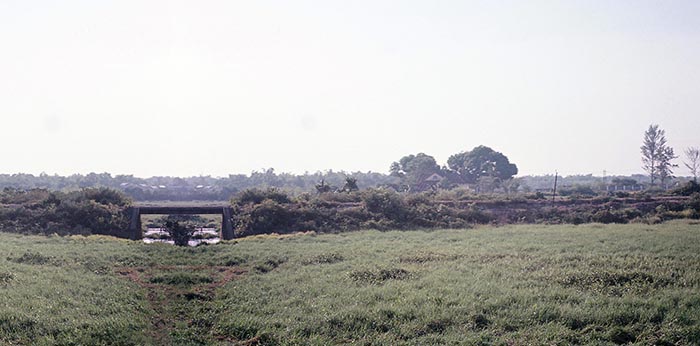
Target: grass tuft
(326, 258)
(615, 282)
(6, 277)
(180, 279)
(423, 257)
(620, 336)
(269, 264)
(378, 276)
(33, 258)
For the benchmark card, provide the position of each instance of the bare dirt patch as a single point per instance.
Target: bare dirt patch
(171, 290)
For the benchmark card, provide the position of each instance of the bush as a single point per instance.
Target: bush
(88, 211)
(385, 209)
(630, 213)
(536, 196)
(578, 190)
(694, 202)
(655, 191)
(181, 233)
(348, 197)
(607, 216)
(622, 194)
(688, 189)
(257, 196)
(265, 217)
(386, 203)
(105, 196)
(474, 215)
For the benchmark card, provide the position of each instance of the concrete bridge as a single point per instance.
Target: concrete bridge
(135, 213)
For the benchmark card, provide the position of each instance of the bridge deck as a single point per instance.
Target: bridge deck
(181, 210)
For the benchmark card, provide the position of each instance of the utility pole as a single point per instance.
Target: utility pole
(554, 193)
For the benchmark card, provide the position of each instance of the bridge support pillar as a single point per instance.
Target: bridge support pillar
(135, 231)
(226, 224)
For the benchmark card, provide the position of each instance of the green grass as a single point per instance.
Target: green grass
(514, 285)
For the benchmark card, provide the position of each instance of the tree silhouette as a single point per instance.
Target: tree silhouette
(656, 154)
(482, 161)
(692, 156)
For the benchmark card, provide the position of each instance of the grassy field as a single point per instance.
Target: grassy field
(513, 285)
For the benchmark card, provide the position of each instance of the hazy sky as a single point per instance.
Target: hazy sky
(218, 87)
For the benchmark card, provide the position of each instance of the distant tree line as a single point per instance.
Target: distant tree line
(205, 188)
(221, 189)
(480, 170)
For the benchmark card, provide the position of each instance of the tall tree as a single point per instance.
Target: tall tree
(665, 165)
(414, 169)
(350, 184)
(480, 162)
(692, 155)
(656, 154)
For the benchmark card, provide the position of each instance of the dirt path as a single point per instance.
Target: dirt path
(175, 294)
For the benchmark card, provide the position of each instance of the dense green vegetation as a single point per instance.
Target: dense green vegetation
(271, 210)
(86, 211)
(104, 211)
(516, 285)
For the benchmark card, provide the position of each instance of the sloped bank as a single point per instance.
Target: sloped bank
(87, 211)
(266, 211)
(103, 211)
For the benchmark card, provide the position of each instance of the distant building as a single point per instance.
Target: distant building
(434, 178)
(430, 183)
(614, 188)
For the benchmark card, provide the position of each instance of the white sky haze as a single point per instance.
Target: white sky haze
(188, 88)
